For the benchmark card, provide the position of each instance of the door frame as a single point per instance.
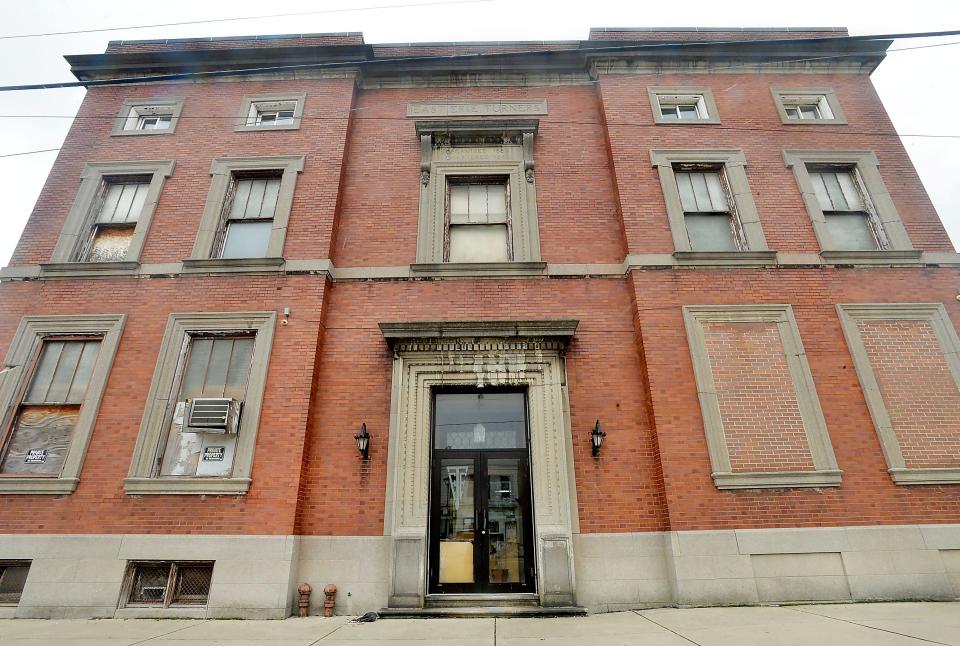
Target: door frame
(481, 497)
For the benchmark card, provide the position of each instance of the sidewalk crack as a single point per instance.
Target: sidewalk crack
(149, 639)
(850, 621)
(657, 623)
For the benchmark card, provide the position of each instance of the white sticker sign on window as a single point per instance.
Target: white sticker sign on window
(36, 456)
(213, 453)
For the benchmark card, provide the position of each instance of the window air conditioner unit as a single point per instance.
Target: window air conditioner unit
(212, 415)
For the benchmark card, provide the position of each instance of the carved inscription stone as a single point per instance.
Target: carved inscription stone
(476, 108)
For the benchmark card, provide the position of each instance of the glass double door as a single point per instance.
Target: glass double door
(481, 529)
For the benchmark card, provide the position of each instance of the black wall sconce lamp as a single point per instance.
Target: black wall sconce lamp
(596, 439)
(363, 441)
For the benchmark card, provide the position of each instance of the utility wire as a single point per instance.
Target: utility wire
(486, 55)
(260, 17)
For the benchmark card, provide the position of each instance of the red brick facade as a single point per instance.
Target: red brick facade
(599, 201)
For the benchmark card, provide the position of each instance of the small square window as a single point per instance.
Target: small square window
(811, 105)
(478, 219)
(148, 116)
(683, 105)
(13, 576)
(164, 583)
(271, 112)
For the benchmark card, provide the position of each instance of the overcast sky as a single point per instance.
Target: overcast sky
(917, 87)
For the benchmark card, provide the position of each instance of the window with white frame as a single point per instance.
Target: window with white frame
(849, 214)
(709, 213)
(808, 105)
(271, 112)
(248, 214)
(478, 219)
(683, 105)
(114, 217)
(148, 116)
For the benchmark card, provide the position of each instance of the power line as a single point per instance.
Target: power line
(30, 152)
(488, 55)
(260, 17)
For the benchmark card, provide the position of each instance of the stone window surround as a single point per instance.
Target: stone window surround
(221, 171)
(24, 347)
(868, 168)
(174, 103)
(77, 225)
(243, 125)
(839, 118)
(142, 478)
(936, 315)
(713, 115)
(734, 165)
(515, 160)
(474, 353)
(826, 472)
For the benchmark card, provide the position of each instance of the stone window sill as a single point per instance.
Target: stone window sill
(478, 269)
(727, 258)
(38, 485)
(88, 269)
(930, 476)
(888, 257)
(777, 480)
(233, 265)
(193, 486)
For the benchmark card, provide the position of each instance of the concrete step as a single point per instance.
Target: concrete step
(502, 612)
(482, 600)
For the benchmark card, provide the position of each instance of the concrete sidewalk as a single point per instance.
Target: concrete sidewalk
(842, 625)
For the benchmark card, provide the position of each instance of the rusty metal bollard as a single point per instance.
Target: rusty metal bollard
(329, 596)
(304, 605)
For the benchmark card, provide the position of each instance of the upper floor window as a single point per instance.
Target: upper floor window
(114, 218)
(148, 116)
(248, 214)
(271, 112)
(478, 219)
(478, 202)
(708, 213)
(849, 214)
(247, 211)
(683, 105)
(111, 214)
(710, 207)
(808, 105)
(852, 213)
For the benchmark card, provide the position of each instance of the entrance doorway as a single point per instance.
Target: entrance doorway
(481, 529)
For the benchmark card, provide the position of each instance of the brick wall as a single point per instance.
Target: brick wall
(757, 397)
(918, 389)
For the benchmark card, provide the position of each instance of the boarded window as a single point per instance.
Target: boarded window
(707, 214)
(13, 576)
(214, 366)
(116, 213)
(479, 221)
(43, 427)
(167, 583)
(846, 209)
(248, 215)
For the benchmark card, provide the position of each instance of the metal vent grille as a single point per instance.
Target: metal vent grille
(193, 584)
(210, 413)
(150, 583)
